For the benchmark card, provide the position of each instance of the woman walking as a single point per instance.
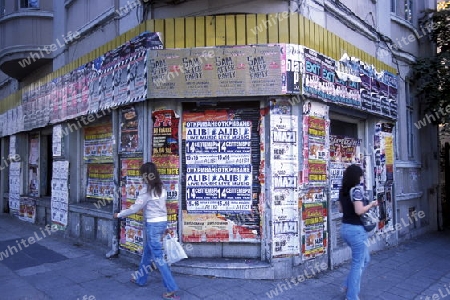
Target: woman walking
(351, 204)
(152, 199)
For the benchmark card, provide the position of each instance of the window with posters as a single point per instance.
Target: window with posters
(99, 166)
(220, 189)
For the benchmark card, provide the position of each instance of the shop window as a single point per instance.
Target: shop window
(344, 129)
(99, 166)
(29, 4)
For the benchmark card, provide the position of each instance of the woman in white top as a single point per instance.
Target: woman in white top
(152, 199)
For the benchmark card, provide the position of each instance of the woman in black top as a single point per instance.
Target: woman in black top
(352, 230)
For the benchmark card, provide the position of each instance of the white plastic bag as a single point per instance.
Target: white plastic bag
(174, 250)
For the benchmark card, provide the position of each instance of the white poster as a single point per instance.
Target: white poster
(60, 192)
(57, 140)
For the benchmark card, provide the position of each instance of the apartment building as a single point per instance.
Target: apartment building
(252, 110)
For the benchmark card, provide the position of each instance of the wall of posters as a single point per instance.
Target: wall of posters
(219, 171)
(165, 154)
(242, 224)
(131, 227)
(284, 153)
(100, 181)
(314, 180)
(60, 193)
(14, 186)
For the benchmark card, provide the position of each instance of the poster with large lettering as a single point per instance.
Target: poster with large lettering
(100, 181)
(284, 164)
(98, 143)
(266, 70)
(199, 70)
(165, 74)
(293, 63)
(391, 80)
(365, 88)
(219, 174)
(231, 69)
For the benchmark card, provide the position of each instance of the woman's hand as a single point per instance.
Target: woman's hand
(115, 216)
(374, 203)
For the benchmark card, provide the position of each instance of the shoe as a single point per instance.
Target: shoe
(172, 295)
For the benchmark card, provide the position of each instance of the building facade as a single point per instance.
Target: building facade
(252, 110)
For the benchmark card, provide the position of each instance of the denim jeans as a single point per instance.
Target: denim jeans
(356, 237)
(153, 252)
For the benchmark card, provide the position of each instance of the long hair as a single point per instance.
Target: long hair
(150, 174)
(351, 178)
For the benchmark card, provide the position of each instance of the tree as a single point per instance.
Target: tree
(431, 74)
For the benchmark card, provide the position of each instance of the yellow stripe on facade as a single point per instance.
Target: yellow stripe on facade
(237, 29)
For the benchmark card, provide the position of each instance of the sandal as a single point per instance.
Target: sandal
(169, 296)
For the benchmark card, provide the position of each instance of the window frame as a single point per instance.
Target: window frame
(409, 105)
(25, 4)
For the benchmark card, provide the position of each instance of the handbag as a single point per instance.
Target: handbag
(369, 219)
(174, 250)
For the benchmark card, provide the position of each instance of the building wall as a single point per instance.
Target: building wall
(185, 25)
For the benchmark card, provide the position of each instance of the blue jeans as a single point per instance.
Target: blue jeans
(153, 252)
(356, 237)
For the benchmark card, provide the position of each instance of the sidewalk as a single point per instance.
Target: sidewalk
(56, 268)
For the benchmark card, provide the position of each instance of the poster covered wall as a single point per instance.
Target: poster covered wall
(313, 182)
(165, 154)
(60, 193)
(284, 153)
(232, 215)
(131, 227)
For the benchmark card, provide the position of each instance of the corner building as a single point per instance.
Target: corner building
(252, 110)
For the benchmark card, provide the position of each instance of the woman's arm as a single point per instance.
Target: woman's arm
(360, 208)
(140, 202)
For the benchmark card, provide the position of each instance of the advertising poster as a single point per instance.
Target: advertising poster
(57, 140)
(231, 69)
(366, 97)
(60, 193)
(314, 224)
(165, 154)
(219, 174)
(265, 70)
(98, 142)
(293, 63)
(199, 70)
(72, 94)
(344, 149)
(131, 227)
(165, 74)
(199, 228)
(336, 173)
(129, 130)
(14, 187)
(375, 93)
(27, 210)
(312, 73)
(137, 77)
(284, 161)
(391, 80)
(82, 91)
(120, 71)
(315, 150)
(384, 96)
(100, 181)
(95, 86)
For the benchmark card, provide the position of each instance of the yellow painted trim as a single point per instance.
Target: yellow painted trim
(262, 24)
(221, 31)
(240, 30)
(230, 27)
(251, 29)
(190, 32)
(200, 40)
(180, 36)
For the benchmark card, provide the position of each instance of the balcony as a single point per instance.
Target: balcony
(23, 38)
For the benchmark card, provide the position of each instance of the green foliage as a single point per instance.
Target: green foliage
(431, 73)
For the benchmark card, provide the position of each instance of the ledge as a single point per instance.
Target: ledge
(409, 196)
(88, 208)
(407, 164)
(27, 13)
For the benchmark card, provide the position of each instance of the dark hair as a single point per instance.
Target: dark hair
(150, 174)
(351, 178)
